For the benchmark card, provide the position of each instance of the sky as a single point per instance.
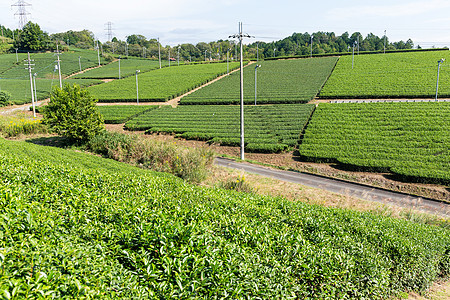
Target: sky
(426, 22)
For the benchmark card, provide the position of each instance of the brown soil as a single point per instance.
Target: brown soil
(290, 161)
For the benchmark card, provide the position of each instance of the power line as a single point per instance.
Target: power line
(21, 12)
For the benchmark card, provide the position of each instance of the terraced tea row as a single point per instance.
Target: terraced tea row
(159, 85)
(118, 114)
(269, 128)
(128, 67)
(283, 81)
(394, 75)
(411, 140)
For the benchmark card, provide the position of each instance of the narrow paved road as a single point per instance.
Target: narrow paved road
(345, 188)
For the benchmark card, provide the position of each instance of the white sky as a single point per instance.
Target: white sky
(426, 22)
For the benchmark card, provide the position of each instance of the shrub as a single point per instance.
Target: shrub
(239, 184)
(190, 164)
(72, 113)
(5, 98)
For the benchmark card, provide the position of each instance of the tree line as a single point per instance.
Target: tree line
(32, 38)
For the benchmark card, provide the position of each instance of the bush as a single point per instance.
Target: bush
(239, 184)
(187, 163)
(5, 98)
(72, 113)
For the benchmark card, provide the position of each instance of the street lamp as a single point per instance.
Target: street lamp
(137, 86)
(256, 76)
(437, 82)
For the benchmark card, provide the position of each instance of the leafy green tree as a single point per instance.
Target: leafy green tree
(72, 113)
(31, 37)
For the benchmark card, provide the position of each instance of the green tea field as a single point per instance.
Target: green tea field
(269, 128)
(159, 85)
(393, 75)
(283, 81)
(409, 139)
(78, 226)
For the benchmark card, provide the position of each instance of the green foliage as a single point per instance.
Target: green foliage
(393, 75)
(268, 128)
(159, 85)
(118, 114)
(408, 139)
(71, 230)
(190, 164)
(32, 38)
(5, 98)
(72, 113)
(283, 81)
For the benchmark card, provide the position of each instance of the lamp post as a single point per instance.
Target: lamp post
(256, 77)
(437, 82)
(137, 86)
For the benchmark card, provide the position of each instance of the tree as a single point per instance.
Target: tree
(32, 38)
(72, 113)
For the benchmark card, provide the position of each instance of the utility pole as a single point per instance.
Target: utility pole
(357, 39)
(35, 95)
(257, 52)
(79, 62)
(311, 43)
(241, 36)
(169, 56)
(98, 54)
(59, 66)
(205, 54)
(274, 49)
(30, 67)
(21, 12)
(137, 86)
(126, 49)
(17, 56)
(353, 55)
(228, 65)
(178, 56)
(256, 76)
(119, 65)
(437, 82)
(159, 53)
(385, 42)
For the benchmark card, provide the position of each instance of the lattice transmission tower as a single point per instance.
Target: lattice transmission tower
(109, 32)
(22, 12)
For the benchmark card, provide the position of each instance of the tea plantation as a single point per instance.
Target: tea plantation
(78, 226)
(410, 140)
